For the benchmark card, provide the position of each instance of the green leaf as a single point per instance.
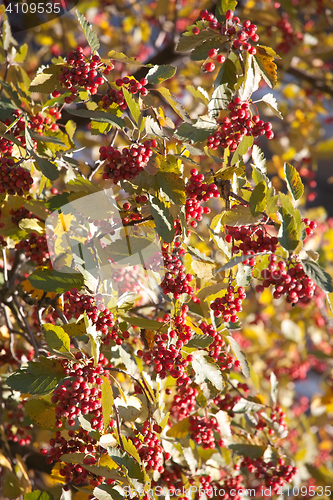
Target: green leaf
(41, 412)
(228, 5)
(50, 280)
(48, 168)
(179, 430)
(159, 74)
(99, 116)
(123, 459)
(173, 186)
(272, 200)
(206, 371)
(247, 450)
(259, 159)
(107, 401)
(150, 324)
(200, 341)
(91, 35)
(6, 109)
(198, 93)
(94, 337)
(46, 138)
(133, 106)
(238, 353)
(107, 492)
(220, 99)
(242, 148)
(196, 132)
(249, 84)
(288, 233)
(21, 53)
(294, 182)
(48, 80)
(244, 405)
(119, 56)
(162, 218)
(56, 338)
(38, 377)
(240, 216)
(320, 277)
(174, 103)
(227, 74)
(200, 255)
(258, 199)
(270, 100)
(189, 41)
(38, 495)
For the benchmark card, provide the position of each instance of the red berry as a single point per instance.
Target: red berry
(209, 67)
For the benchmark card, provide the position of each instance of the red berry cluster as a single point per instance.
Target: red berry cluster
(125, 164)
(77, 441)
(172, 477)
(13, 180)
(238, 124)
(288, 280)
(6, 146)
(117, 96)
(175, 280)
(196, 192)
(253, 240)
(13, 428)
(184, 402)
(35, 248)
(310, 226)
(229, 305)
(40, 122)
(217, 349)
(239, 35)
(76, 304)
(75, 396)
(274, 475)
(290, 37)
(80, 71)
(232, 487)
(226, 402)
(202, 431)
(21, 213)
(127, 279)
(149, 446)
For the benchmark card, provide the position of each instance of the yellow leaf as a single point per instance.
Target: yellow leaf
(204, 270)
(107, 401)
(267, 65)
(180, 430)
(35, 293)
(55, 474)
(147, 337)
(41, 412)
(4, 462)
(74, 329)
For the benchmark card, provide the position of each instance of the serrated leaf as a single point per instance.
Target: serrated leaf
(190, 459)
(198, 93)
(220, 99)
(228, 5)
(50, 280)
(244, 405)
(90, 34)
(133, 106)
(259, 159)
(242, 148)
(38, 377)
(179, 430)
(206, 371)
(159, 74)
(249, 84)
(120, 57)
(270, 100)
(240, 216)
(174, 103)
(274, 387)
(99, 116)
(199, 341)
(41, 412)
(150, 324)
(258, 199)
(223, 419)
(56, 338)
(126, 460)
(244, 275)
(288, 232)
(211, 290)
(75, 329)
(293, 180)
(247, 450)
(48, 80)
(107, 401)
(203, 270)
(131, 410)
(320, 277)
(200, 255)
(189, 41)
(48, 168)
(266, 64)
(238, 353)
(227, 74)
(31, 225)
(173, 185)
(196, 132)
(46, 138)
(162, 218)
